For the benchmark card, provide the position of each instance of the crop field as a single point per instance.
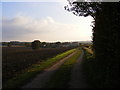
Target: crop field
(16, 59)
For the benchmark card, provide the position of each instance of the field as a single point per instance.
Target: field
(16, 59)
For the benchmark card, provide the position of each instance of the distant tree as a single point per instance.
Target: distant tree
(36, 44)
(57, 44)
(43, 44)
(9, 44)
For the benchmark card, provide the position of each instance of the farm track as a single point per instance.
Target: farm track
(77, 78)
(41, 79)
(16, 59)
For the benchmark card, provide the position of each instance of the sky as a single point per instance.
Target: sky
(44, 21)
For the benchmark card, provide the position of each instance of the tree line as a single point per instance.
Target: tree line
(36, 44)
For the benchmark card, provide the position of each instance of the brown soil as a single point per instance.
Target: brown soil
(16, 59)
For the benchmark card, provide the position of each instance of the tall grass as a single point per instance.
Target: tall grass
(89, 68)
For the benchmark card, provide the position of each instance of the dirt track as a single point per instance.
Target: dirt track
(41, 79)
(77, 77)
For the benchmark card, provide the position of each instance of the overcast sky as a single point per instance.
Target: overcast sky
(44, 21)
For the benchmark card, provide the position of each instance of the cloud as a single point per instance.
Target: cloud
(25, 28)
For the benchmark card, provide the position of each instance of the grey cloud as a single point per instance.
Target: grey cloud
(26, 28)
(23, 26)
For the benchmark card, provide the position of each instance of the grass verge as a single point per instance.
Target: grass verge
(62, 76)
(98, 74)
(89, 69)
(33, 70)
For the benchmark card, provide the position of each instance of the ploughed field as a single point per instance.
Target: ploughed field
(16, 59)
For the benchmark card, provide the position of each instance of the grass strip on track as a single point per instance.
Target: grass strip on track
(62, 76)
(35, 69)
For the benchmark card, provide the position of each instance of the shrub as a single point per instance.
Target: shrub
(35, 44)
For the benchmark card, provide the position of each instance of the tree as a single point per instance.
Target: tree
(36, 44)
(105, 38)
(57, 44)
(83, 8)
(9, 44)
(43, 44)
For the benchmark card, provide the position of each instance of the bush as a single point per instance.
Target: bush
(36, 44)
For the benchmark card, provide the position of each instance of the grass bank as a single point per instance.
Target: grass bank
(89, 69)
(62, 76)
(100, 74)
(34, 70)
